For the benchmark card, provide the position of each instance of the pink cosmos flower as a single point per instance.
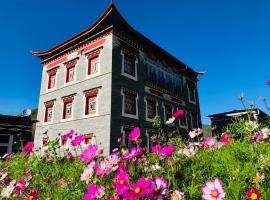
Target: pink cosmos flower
(113, 159)
(121, 182)
(33, 194)
(21, 186)
(177, 195)
(159, 189)
(178, 114)
(133, 154)
(87, 174)
(268, 82)
(103, 168)
(100, 192)
(166, 151)
(68, 135)
(142, 188)
(213, 190)
(135, 134)
(226, 138)
(77, 140)
(89, 153)
(209, 142)
(91, 193)
(258, 137)
(69, 155)
(28, 148)
(156, 149)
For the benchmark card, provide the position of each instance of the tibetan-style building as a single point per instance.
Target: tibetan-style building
(110, 78)
(221, 121)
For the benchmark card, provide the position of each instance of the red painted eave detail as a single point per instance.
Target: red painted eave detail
(200, 73)
(42, 54)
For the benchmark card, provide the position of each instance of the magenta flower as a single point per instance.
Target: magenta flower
(258, 136)
(268, 82)
(28, 148)
(89, 153)
(166, 151)
(121, 182)
(159, 189)
(21, 186)
(142, 188)
(178, 114)
(253, 194)
(213, 190)
(135, 134)
(91, 193)
(209, 142)
(77, 140)
(33, 194)
(113, 159)
(226, 138)
(68, 135)
(156, 149)
(103, 168)
(100, 192)
(133, 154)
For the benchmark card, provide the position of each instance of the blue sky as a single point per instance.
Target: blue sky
(230, 39)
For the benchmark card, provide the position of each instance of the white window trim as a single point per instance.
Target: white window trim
(123, 107)
(164, 113)
(9, 144)
(44, 115)
(72, 111)
(123, 67)
(48, 76)
(75, 75)
(97, 106)
(146, 114)
(89, 76)
(194, 102)
(185, 113)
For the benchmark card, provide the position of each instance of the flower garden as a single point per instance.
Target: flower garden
(231, 165)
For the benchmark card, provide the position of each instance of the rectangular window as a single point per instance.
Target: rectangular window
(48, 111)
(70, 74)
(151, 109)
(168, 112)
(67, 107)
(91, 101)
(88, 139)
(52, 79)
(130, 104)
(129, 65)
(48, 115)
(93, 64)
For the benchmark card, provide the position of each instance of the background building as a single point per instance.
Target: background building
(110, 78)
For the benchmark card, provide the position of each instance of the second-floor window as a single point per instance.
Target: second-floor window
(70, 72)
(68, 107)
(91, 102)
(48, 111)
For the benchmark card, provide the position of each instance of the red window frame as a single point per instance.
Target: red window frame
(48, 105)
(66, 101)
(88, 95)
(69, 66)
(51, 73)
(91, 57)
